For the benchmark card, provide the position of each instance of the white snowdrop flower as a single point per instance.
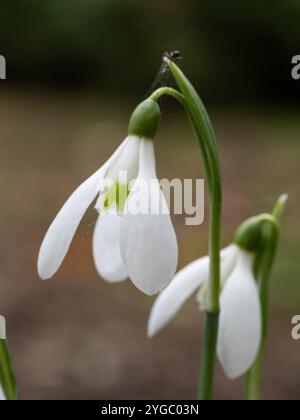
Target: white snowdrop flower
(140, 244)
(240, 313)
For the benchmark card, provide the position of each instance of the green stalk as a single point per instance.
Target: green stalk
(266, 259)
(182, 100)
(7, 378)
(208, 357)
(263, 266)
(207, 143)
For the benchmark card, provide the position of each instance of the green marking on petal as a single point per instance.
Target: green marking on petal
(116, 194)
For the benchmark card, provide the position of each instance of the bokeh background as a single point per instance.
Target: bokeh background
(75, 71)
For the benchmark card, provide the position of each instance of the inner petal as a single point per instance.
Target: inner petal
(106, 248)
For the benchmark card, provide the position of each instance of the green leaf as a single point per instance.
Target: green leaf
(7, 377)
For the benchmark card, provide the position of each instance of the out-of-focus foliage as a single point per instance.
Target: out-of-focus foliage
(236, 50)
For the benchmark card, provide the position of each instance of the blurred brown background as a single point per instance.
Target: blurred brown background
(75, 71)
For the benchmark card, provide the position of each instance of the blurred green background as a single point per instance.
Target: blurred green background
(75, 71)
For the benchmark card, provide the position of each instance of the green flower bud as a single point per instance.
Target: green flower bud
(145, 119)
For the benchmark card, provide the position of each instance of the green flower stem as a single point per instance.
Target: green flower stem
(181, 99)
(207, 143)
(208, 356)
(208, 146)
(157, 94)
(7, 378)
(267, 255)
(262, 270)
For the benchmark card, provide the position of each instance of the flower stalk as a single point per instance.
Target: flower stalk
(208, 146)
(262, 270)
(199, 118)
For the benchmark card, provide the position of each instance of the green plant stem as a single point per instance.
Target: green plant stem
(7, 378)
(158, 93)
(208, 357)
(268, 250)
(262, 271)
(208, 146)
(207, 143)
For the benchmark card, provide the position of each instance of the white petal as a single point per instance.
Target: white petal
(147, 163)
(149, 250)
(106, 248)
(229, 256)
(127, 161)
(60, 233)
(2, 337)
(148, 241)
(2, 328)
(170, 300)
(240, 319)
(2, 396)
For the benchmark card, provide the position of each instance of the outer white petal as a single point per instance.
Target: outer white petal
(2, 328)
(149, 250)
(60, 233)
(229, 256)
(127, 161)
(170, 300)
(106, 248)
(148, 241)
(2, 396)
(2, 337)
(240, 319)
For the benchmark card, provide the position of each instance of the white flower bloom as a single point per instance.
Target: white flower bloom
(142, 245)
(240, 314)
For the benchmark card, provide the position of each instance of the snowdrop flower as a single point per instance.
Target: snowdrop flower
(140, 245)
(240, 315)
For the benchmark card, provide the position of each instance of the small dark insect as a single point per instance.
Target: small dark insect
(173, 55)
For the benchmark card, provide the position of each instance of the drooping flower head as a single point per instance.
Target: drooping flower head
(240, 315)
(134, 236)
